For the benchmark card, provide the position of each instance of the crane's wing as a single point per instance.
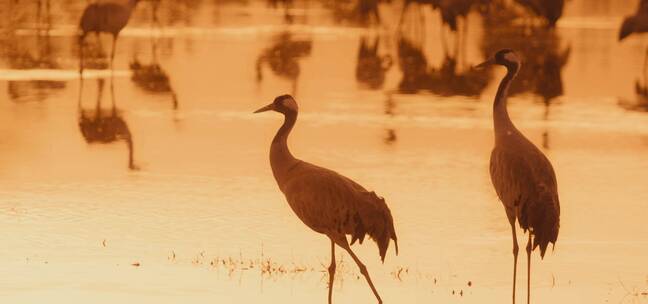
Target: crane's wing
(331, 203)
(525, 180)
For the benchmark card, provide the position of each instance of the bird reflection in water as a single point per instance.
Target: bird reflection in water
(283, 57)
(390, 106)
(638, 24)
(544, 59)
(450, 79)
(101, 126)
(151, 77)
(548, 10)
(23, 53)
(451, 12)
(372, 66)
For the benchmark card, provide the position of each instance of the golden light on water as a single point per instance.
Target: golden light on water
(150, 182)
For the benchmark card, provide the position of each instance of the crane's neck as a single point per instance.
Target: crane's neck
(281, 160)
(503, 124)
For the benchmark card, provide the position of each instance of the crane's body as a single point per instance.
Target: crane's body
(104, 17)
(326, 201)
(522, 176)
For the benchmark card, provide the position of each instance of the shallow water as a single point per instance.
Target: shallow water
(198, 217)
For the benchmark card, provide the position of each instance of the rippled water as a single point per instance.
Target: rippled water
(170, 199)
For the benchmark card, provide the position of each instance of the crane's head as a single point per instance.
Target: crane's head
(627, 28)
(283, 104)
(505, 57)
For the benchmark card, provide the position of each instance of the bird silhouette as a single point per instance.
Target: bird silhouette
(550, 10)
(22, 54)
(447, 80)
(104, 17)
(326, 201)
(99, 127)
(283, 57)
(152, 77)
(371, 66)
(522, 175)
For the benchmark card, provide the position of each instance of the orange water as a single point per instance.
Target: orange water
(74, 218)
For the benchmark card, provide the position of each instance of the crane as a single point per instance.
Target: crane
(326, 201)
(104, 17)
(522, 175)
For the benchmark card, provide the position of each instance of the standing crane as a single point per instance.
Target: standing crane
(104, 17)
(326, 201)
(523, 177)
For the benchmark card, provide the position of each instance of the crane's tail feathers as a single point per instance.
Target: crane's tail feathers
(376, 221)
(542, 217)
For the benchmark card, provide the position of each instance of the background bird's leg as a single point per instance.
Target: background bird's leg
(331, 271)
(515, 252)
(80, 93)
(528, 250)
(363, 269)
(112, 96)
(81, 39)
(112, 56)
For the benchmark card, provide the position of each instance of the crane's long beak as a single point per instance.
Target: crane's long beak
(485, 64)
(269, 107)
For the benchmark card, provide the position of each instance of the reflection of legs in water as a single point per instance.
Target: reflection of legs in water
(80, 92)
(464, 41)
(81, 41)
(100, 86)
(444, 43)
(112, 94)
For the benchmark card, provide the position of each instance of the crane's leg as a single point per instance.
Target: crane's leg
(81, 39)
(363, 268)
(112, 56)
(515, 250)
(331, 271)
(528, 250)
